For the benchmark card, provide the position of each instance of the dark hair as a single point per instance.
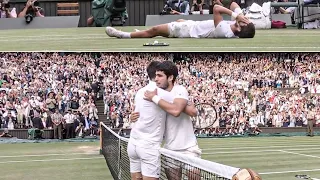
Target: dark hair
(151, 69)
(168, 68)
(247, 31)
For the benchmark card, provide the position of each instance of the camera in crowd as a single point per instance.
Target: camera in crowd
(32, 10)
(167, 7)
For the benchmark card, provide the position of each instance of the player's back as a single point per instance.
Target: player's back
(149, 129)
(179, 133)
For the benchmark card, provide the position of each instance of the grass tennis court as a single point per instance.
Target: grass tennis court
(95, 39)
(275, 158)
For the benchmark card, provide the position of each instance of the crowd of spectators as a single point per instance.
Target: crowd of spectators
(273, 90)
(247, 90)
(49, 91)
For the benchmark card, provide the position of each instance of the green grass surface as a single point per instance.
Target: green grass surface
(275, 158)
(95, 39)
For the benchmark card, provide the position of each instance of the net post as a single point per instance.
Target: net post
(100, 151)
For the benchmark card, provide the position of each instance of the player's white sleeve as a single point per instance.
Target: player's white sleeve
(181, 93)
(136, 101)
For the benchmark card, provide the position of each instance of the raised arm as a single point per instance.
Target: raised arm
(219, 10)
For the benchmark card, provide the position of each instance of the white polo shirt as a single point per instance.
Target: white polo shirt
(148, 131)
(179, 134)
(69, 118)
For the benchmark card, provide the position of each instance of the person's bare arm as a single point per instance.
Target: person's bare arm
(24, 11)
(219, 10)
(175, 108)
(235, 8)
(191, 110)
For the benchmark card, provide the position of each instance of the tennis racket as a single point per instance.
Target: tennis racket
(207, 116)
(300, 176)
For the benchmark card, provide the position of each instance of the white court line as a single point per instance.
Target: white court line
(52, 35)
(284, 172)
(49, 160)
(299, 154)
(39, 155)
(52, 39)
(191, 47)
(255, 151)
(258, 147)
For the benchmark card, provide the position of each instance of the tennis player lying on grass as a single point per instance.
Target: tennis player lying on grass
(217, 28)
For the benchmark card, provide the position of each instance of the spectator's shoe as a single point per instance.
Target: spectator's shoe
(112, 32)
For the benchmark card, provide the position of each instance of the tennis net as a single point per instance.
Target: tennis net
(174, 166)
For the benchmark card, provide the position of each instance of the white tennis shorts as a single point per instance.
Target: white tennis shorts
(180, 29)
(146, 161)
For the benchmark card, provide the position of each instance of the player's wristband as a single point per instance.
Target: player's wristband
(234, 15)
(156, 99)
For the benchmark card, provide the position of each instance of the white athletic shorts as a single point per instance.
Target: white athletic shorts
(193, 151)
(146, 161)
(180, 29)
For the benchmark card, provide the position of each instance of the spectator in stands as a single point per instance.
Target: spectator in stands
(32, 7)
(57, 121)
(9, 121)
(36, 121)
(177, 7)
(6, 11)
(197, 5)
(311, 119)
(69, 119)
(51, 102)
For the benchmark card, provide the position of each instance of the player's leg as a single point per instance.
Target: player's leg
(173, 172)
(150, 163)
(193, 173)
(159, 30)
(135, 162)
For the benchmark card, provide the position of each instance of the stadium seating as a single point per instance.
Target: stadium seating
(64, 9)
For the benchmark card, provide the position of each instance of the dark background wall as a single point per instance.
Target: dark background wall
(137, 9)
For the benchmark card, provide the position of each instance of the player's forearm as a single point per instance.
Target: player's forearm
(222, 10)
(235, 7)
(171, 108)
(23, 12)
(191, 110)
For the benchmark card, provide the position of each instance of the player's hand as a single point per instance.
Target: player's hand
(29, 3)
(174, 12)
(242, 18)
(134, 116)
(148, 95)
(217, 2)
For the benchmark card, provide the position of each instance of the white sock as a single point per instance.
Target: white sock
(126, 35)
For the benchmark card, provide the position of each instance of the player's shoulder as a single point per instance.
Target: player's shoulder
(178, 88)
